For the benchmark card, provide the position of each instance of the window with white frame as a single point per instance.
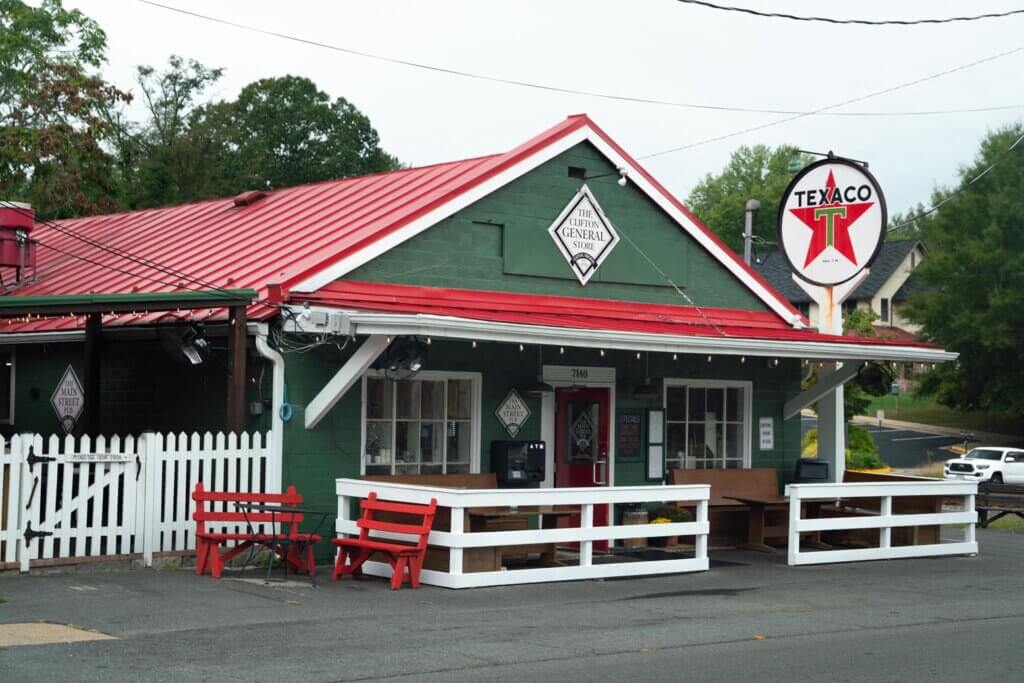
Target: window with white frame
(707, 424)
(426, 425)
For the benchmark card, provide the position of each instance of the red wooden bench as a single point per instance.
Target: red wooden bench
(402, 556)
(294, 547)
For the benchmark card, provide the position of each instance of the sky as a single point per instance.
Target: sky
(652, 49)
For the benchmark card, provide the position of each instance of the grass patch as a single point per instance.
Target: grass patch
(925, 410)
(1008, 523)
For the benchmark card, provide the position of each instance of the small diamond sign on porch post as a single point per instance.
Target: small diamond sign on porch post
(513, 413)
(68, 400)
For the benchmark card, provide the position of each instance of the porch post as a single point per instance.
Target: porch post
(832, 432)
(235, 421)
(90, 422)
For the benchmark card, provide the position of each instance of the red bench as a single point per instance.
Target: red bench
(402, 556)
(294, 547)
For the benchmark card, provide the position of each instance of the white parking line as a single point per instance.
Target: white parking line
(922, 438)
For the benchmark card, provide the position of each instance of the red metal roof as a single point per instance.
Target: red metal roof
(280, 239)
(571, 312)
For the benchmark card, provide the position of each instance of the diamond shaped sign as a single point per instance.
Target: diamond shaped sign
(68, 400)
(582, 431)
(583, 235)
(513, 413)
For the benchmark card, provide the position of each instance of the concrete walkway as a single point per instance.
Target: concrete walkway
(753, 618)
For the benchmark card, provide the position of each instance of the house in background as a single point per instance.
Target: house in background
(885, 291)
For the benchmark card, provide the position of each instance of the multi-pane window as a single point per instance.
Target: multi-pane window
(884, 313)
(419, 426)
(706, 426)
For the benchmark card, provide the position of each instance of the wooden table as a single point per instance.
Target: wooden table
(757, 527)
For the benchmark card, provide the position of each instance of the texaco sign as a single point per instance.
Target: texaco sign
(583, 235)
(831, 221)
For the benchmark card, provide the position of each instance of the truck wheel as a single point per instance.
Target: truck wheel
(997, 478)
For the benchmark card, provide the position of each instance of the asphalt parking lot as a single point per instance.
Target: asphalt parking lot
(753, 618)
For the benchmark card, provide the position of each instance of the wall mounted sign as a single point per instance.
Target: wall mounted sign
(766, 432)
(831, 221)
(513, 413)
(583, 235)
(579, 374)
(655, 445)
(629, 437)
(99, 457)
(68, 400)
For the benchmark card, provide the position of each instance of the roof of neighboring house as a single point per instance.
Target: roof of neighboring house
(913, 285)
(895, 334)
(298, 237)
(777, 271)
(565, 312)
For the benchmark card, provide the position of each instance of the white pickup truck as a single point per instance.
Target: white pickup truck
(999, 465)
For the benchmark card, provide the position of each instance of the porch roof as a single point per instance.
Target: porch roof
(389, 309)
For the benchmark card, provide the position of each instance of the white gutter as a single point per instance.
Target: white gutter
(41, 337)
(275, 472)
(394, 324)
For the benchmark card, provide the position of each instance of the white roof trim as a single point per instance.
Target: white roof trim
(584, 133)
(394, 324)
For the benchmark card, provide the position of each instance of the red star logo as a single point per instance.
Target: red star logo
(830, 222)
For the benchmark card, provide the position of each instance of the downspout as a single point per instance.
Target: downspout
(275, 472)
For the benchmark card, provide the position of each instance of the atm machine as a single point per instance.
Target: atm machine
(518, 464)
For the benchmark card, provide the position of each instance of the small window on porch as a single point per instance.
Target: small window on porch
(707, 425)
(427, 425)
(6, 387)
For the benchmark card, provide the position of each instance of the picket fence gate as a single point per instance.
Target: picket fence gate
(65, 499)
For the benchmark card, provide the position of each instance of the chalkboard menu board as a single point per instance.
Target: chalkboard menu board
(629, 436)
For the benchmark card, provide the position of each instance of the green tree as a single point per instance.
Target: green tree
(975, 274)
(175, 155)
(858, 322)
(52, 110)
(757, 172)
(289, 132)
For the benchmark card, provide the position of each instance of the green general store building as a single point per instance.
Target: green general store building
(401, 323)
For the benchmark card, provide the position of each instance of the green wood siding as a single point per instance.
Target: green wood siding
(501, 243)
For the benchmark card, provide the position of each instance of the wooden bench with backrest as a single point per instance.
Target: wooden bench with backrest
(752, 493)
(1002, 499)
(295, 547)
(403, 556)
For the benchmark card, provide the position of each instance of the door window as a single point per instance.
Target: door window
(583, 430)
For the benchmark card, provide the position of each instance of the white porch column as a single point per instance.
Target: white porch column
(832, 432)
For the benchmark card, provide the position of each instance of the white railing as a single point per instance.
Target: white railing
(63, 499)
(458, 539)
(800, 495)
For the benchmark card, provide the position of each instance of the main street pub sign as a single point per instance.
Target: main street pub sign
(831, 221)
(584, 235)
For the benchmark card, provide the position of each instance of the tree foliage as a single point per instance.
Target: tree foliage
(975, 276)
(757, 172)
(52, 110)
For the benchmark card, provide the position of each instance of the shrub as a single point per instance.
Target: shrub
(861, 451)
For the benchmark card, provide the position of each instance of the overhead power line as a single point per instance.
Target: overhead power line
(554, 88)
(853, 100)
(860, 22)
(963, 188)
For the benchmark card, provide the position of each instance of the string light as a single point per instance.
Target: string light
(743, 359)
(638, 355)
(428, 341)
(602, 353)
(709, 358)
(520, 347)
(776, 362)
(675, 356)
(561, 350)
(474, 343)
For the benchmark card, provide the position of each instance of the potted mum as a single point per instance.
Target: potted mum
(666, 514)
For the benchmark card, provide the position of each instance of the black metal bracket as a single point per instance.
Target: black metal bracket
(32, 458)
(138, 466)
(30, 534)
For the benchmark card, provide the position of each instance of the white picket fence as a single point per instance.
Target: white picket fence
(64, 499)
(885, 520)
(459, 539)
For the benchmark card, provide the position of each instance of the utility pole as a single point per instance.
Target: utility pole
(748, 227)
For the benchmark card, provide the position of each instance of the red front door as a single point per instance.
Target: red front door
(582, 419)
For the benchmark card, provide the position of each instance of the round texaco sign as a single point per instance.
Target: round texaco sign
(831, 221)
